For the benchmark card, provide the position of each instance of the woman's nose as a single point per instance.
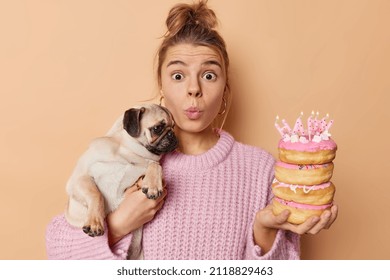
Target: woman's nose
(194, 88)
(196, 94)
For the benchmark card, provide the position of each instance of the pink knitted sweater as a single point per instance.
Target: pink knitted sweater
(208, 213)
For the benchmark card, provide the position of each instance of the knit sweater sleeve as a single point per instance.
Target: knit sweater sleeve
(286, 245)
(65, 242)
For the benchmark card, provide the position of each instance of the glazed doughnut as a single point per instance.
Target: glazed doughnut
(307, 153)
(314, 195)
(303, 174)
(313, 174)
(298, 212)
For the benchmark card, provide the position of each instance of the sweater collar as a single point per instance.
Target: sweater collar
(212, 157)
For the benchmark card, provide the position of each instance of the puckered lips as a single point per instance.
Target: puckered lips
(193, 113)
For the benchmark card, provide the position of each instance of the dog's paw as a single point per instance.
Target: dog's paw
(94, 227)
(153, 189)
(152, 193)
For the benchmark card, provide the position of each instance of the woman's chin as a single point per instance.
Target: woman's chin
(193, 127)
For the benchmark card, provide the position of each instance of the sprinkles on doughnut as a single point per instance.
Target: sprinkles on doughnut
(302, 176)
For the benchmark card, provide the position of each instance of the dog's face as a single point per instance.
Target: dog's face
(152, 125)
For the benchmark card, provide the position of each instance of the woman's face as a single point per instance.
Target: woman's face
(193, 82)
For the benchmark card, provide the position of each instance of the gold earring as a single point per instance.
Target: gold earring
(161, 99)
(224, 106)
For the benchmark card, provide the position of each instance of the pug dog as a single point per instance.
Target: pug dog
(131, 150)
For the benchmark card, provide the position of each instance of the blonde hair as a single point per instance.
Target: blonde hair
(196, 24)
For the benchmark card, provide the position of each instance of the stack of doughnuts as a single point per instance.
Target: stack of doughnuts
(302, 175)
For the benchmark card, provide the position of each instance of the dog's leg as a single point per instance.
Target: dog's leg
(135, 249)
(92, 197)
(152, 184)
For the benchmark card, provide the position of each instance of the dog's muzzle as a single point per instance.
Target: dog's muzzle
(166, 143)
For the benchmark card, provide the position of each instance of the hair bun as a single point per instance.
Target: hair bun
(190, 16)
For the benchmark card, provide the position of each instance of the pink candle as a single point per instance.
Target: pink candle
(329, 125)
(309, 124)
(301, 129)
(316, 124)
(297, 123)
(286, 126)
(323, 123)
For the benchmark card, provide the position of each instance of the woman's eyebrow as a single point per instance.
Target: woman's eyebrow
(212, 62)
(208, 62)
(174, 62)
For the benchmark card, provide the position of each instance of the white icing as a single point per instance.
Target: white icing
(317, 138)
(325, 135)
(286, 138)
(307, 189)
(303, 140)
(294, 138)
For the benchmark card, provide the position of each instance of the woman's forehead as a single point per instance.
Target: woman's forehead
(187, 53)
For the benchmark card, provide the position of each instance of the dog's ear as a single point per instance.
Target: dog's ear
(132, 121)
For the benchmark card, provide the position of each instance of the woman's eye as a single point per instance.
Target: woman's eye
(209, 76)
(177, 76)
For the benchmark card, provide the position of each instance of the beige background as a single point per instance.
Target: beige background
(69, 68)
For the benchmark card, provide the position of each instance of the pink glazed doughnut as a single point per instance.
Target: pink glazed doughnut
(299, 212)
(307, 153)
(308, 174)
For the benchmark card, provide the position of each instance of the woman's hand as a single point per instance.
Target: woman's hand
(266, 224)
(134, 211)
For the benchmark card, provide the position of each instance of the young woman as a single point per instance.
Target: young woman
(216, 201)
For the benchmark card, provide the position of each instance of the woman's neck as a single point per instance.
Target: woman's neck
(196, 143)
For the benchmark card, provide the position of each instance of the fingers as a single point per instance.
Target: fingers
(334, 213)
(326, 220)
(160, 205)
(162, 196)
(282, 217)
(322, 222)
(304, 227)
(131, 190)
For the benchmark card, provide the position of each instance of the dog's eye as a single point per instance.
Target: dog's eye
(158, 129)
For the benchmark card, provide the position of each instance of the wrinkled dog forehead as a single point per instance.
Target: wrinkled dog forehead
(147, 121)
(153, 116)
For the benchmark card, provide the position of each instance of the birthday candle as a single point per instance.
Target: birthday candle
(278, 127)
(316, 124)
(309, 124)
(297, 123)
(301, 129)
(286, 125)
(323, 122)
(329, 125)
